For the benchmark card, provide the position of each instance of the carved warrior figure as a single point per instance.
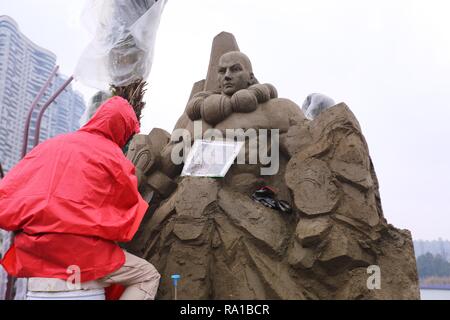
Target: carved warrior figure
(226, 246)
(238, 91)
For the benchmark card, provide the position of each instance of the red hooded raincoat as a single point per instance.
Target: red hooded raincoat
(72, 197)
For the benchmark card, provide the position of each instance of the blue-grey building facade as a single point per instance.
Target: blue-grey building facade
(24, 69)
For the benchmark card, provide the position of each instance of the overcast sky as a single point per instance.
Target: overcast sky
(388, 60)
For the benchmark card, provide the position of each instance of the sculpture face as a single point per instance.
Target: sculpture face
(235, 73)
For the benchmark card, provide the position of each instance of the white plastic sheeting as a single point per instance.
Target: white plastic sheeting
(316, 103)
(124, 40)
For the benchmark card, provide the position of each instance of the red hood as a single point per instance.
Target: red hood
(115, 120)
(72, 197)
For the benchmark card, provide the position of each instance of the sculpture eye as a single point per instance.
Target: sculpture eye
(236, 68)
(222, 70)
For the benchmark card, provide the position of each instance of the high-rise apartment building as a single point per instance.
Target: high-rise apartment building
(24, 69)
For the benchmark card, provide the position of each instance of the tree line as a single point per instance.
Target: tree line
(429, 265)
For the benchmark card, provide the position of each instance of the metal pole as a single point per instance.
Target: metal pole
(30, 113)
(11, 280)
(45, 107)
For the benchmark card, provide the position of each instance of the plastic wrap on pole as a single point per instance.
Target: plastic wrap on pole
(124, 40)
(315, 104)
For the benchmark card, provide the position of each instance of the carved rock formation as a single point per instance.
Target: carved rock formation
(227, 246)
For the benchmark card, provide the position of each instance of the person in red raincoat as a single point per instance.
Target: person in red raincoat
(69, 202)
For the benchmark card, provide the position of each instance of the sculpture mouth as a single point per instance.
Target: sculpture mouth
(229, 88)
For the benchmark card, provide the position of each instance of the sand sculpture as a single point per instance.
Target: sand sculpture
(336, 244)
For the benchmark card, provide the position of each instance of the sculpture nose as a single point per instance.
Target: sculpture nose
(228, 74)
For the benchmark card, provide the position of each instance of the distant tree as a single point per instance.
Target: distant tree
(429, 265)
